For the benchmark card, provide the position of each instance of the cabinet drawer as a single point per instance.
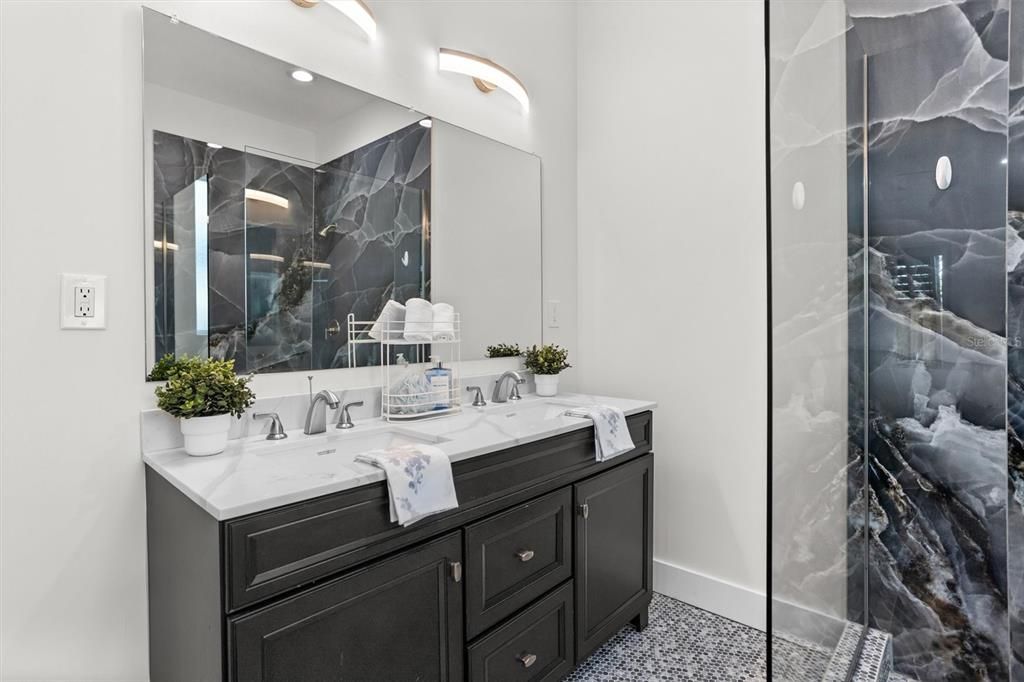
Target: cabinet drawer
(536, 645)
(516, 556)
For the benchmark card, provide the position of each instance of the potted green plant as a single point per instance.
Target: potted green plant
(504, 350)
(547, 362)
(203, 393)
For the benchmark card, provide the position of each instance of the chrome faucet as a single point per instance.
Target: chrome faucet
(501, 395)
(316, 416)
(345, 421)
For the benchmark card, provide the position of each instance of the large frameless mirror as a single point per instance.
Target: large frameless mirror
(282, 205)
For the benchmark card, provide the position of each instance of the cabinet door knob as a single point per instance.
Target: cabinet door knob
(527, 659)
(584, 510)
(525, 555)
(457, 571)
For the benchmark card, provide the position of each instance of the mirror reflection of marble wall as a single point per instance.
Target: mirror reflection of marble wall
(278, 208)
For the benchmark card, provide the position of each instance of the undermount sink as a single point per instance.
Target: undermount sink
(535, 410)
(325, 455)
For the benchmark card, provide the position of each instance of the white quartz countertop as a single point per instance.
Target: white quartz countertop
(255, 474)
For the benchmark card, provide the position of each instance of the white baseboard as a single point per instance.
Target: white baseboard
(731, 601)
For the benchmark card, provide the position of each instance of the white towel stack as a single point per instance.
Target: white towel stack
(390, 323)
(611, 433)
(420, 481)
(419, 321)
(444, 322)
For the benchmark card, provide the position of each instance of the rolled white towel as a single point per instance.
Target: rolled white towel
(389, 324)
(444, 322)
(419, 321)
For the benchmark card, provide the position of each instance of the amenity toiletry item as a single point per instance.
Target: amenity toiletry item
(611, 433)
(419, 320)
(444, 322)
(440, 378)
(420, 481)
(409, 392)
(390, 323)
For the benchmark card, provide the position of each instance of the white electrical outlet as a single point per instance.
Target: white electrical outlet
(83, 301)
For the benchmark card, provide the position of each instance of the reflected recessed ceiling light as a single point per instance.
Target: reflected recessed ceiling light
(355, 10)
(267, 197)
(266, 256)
(427, 123)
(485, 74)
(302, 75)
(214, 145)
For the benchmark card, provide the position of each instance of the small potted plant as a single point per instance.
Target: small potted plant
(546, 362)
(203, 393)
(504, 350)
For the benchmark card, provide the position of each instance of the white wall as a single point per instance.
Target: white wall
(672, 272)
(72, 503)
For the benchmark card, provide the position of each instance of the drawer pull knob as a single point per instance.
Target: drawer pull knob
(527, 659)
(584, 510)
(457, 571)
(525, 555)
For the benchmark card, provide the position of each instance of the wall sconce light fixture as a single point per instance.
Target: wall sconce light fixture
(356, 10)
(485, 74)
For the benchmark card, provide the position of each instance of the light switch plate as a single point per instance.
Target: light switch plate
(553, 313)
(83, 301)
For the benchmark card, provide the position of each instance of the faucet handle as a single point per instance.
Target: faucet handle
(478, 400)
(345, 422)
(276, 429)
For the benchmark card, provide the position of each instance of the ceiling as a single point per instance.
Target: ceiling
(190, 60)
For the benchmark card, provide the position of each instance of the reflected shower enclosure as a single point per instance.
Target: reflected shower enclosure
(895, 461)
(268, 254)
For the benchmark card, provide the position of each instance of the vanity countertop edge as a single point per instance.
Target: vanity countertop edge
(221, 484)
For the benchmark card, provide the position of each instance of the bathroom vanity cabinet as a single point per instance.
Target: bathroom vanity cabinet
(547, 556)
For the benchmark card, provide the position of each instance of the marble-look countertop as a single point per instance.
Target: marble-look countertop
(255, 474)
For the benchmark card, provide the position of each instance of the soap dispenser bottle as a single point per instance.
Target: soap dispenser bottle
(440, 379)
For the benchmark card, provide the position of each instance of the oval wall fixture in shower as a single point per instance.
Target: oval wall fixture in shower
(799, 195)
(943, 172)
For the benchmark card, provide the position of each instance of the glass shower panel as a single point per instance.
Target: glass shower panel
(279, 194)
(817, 345)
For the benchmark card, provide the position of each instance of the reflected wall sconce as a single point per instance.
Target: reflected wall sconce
(266, 197)
(356, 10)
(486, 75)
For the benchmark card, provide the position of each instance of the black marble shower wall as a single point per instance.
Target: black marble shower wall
(937, 83)
(283, 277)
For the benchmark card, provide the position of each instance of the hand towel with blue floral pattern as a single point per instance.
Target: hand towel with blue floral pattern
(420, 481)
(611, 434)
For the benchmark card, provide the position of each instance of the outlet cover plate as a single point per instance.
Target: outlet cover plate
(68, 320)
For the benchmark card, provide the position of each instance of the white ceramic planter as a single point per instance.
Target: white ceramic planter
(206, 436)
(547, 384)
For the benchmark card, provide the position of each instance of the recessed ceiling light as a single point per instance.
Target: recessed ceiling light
(426, 123)
(302, 75)
(214, 145)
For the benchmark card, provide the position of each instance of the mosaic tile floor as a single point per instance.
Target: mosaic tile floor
(680, 643)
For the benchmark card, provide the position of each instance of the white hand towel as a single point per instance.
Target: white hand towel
(419, 321)
(420, 481)
(389, 324)
(444, 322)
(611, 434)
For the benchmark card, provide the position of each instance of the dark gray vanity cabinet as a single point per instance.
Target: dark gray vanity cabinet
(547, 556)
(614, 553)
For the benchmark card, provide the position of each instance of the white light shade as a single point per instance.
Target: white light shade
(316, 264)
(359, 13)
(302, 75)
(267, 197)
(267, 257)
(165, 245)
(485, 70)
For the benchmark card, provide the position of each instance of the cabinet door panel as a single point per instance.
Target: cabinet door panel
(614, 551)
(397, 619)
